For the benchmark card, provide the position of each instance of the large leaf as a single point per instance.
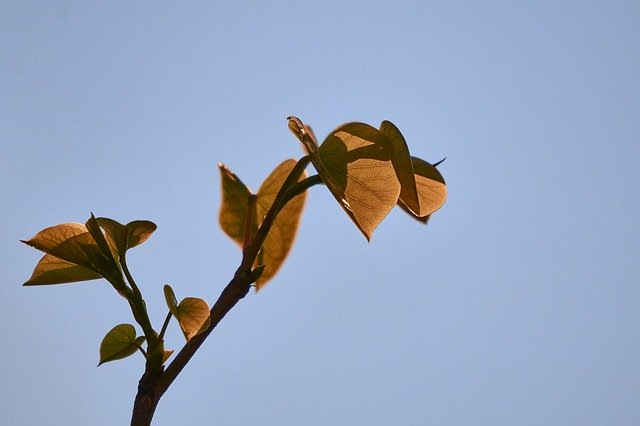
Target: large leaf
(282, 234)
(52, 270)
(432, 189)
(123, 237)
(234, 206)
(233, 216)
(356, 163)
(120, 342)
(73, 243)
(403, 167)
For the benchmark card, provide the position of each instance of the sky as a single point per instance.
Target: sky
(519, 303)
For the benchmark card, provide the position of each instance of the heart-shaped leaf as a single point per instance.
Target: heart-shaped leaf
(123, 237)
(356, 163)
(120, 342)
(432, 189)
(193, 316)
(282, 234)
(192, 313)
(235, 204)
(52, 270)
(73, 243)
(233, 216)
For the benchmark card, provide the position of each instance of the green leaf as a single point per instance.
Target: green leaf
(193, 316)
(282, 234)
(356, 163)
(120, 342)
(52, 270)
(172, 302)
(73, 243)
(432, 189)
(234, 206)
(123, 237)
(403, 167)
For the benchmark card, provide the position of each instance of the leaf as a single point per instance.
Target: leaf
(403, 167)
(73, 243)
(193, 316)
(123, 237)
(282, 234)
(120, 342)
(234, 206)
(167, 355)
(233, 216)
(356, 163)
(52, 270)
(96, 232)
(432, 189)
(172, 302)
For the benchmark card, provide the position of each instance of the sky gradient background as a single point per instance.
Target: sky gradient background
(518, 304)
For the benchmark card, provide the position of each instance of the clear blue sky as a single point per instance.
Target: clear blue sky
(518, 304)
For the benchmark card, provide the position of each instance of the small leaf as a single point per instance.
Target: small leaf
(167, 355)
(172, 302)
(356, 163)
(304, 134)
(282, 234)
(52, 270)
(256, 273)
(123, 237)
(193, 316)
(432, 190)
(120, 342)
(234, 206)
(96, 232)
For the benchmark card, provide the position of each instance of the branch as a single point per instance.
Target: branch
(150, 388)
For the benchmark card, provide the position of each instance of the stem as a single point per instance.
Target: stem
(141, 349)
(165, 325)
(248, 223)
(150, 392)
(301, 186)
(138, 308)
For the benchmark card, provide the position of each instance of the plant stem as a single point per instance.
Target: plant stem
(139, 309)
(165, 325)
(150, 390)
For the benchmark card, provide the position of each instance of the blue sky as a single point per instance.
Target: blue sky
(518, 304)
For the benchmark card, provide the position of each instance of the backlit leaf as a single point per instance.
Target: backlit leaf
(432, 190)
(172, 302)
(120, 342)
(52, 270)
(193, 316)
(356, 163)
(233, 216)
(123, 237)
(234, 206)
(282, 234)
(73, 243)
(96, 232)
(403, 167)
(167, 355)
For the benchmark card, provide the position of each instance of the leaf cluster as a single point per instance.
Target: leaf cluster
(368, 171)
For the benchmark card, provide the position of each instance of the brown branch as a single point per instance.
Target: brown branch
(152, 386)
